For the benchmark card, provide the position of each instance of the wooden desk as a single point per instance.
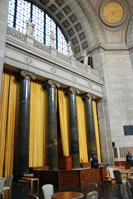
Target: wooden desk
(67, 195)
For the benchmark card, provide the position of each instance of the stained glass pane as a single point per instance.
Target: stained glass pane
(11, 12)
(38, 20)
(22, 15)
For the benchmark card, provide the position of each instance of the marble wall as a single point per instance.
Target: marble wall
(3, 29)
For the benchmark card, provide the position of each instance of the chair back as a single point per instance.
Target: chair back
(48, 190)
(117, 175)
(8, 181)
(2, 181)
(92, 195)
(111, 174)
(131, 169)
(32, 196)
(91, 186)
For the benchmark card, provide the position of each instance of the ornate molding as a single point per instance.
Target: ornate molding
(26, 74)
(89, 96)
(71, 90)
(51, 83)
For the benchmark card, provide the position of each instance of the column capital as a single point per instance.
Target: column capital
(51, 83)
(27, 74)
(71, 90)
(88, 95)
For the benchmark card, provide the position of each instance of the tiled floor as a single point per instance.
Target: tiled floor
(21, 191)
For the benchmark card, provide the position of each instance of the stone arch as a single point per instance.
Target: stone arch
(77, 20)
(129, 37)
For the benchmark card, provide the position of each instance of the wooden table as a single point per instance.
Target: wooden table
(31, 180)
(67, 195)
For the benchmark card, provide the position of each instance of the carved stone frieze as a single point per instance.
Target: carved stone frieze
(41, 46)
(16, 34)
(63, 57)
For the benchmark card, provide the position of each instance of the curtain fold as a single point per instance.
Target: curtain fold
(82, 130)
(3, 118)
(38, 125)
(96, 130)
(9, 111)
(11, 124)
(64, 122)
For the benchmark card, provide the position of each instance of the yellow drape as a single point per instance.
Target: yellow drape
(3, 118)
(82, 130)
(63, 112)
(38, 125)
(8, 120)
(11, 124)
(96, 130)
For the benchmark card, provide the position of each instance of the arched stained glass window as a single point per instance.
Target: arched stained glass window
(21, 10)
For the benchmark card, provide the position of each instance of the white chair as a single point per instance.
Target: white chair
(111, 174)
(2, 181)
(131, 170)
(8, 182)
(91, 186)
(48, 190)
(92, 195)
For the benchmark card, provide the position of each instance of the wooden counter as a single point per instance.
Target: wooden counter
(63, 179)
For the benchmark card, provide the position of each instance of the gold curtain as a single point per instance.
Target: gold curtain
(9, 111)
(96, 130)
(64, 126)
(11, 124)
(3, 118)
(38, 125)
(82, 130)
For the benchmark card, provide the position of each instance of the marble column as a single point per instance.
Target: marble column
(24, 122)
(91, 139)
(3, 31)
(73, 125)
(52, 124)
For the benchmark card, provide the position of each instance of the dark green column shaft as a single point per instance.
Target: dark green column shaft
(52, 129)
(74, 144)
(24, 117)
(91, 139)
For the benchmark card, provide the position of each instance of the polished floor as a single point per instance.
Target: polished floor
(21, 191)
